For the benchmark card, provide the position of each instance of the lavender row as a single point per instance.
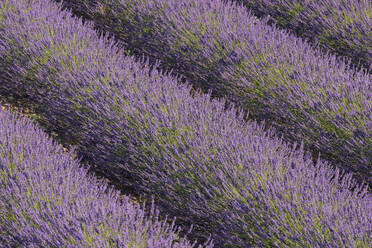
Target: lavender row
(342, 26)
(305, 94)
(48, 200)
(228, 177)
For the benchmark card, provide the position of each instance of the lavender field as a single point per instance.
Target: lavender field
(164, 123)
(307, 95)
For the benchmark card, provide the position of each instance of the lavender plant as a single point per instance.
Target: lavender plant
(342, 26)
(48, 200)
(230, 178)
(307, 95)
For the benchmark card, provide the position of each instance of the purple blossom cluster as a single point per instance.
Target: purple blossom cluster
(306, 94)
(48, 200)
(242, 184)
(341, 26)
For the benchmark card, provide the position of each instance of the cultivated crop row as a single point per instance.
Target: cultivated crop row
(48, 200)
(228, 177)
(306, 95)
(341, 26)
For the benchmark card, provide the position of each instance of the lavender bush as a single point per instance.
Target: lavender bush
(48, 200)
(305, 94)
(342, 26)
(230, 178)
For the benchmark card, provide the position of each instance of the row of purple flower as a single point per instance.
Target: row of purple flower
(48, 200)
(229, 177)
(340, 26)
(308, 96)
